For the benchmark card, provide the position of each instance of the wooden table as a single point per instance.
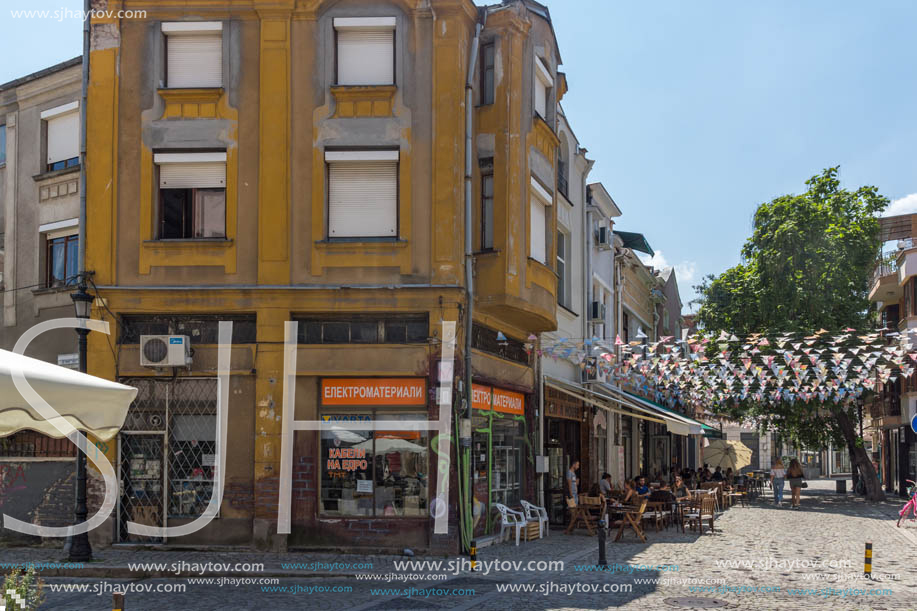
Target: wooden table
(578, 514)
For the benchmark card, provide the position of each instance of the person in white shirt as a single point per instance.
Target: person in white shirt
(778, 475)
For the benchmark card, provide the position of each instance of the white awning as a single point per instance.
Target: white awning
(675, 422)
(84, 402)
(599, 400)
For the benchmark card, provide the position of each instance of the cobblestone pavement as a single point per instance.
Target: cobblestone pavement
(817, 551)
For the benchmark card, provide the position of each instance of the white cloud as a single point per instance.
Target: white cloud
(904, 205)
(684, 271)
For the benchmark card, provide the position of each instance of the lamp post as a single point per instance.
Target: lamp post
(80, 550)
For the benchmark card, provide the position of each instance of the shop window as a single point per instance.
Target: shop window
(487, 203)
(62, 260)
(365, 50)
(31, 444)
(62, 136)
(508, 446)
(376, 329)
(379, 473)
(192, 195)
(201, 328)
(488, 85)
(194, 54)
(362, 194)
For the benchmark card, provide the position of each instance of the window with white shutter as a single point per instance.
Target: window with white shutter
(362, 194)
(539, 222)
(62, 136)
(365, 50)
(192, 195)
(194, 54)
(543, 83)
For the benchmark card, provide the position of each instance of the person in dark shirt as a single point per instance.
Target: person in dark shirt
(642, 488)
(718, 475)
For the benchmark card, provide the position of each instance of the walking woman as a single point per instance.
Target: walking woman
(778, 473)
(796, 474)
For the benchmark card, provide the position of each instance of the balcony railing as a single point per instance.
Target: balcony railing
(885, 266)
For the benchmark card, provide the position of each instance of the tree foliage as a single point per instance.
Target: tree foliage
(806, 266)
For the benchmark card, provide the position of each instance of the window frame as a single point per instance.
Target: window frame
(542, 77)
(190, 28)
(562, 269)
(490, 70)
(335, 155)
(57, 113)
(364, 23)
(540, 196)
(2, 144)
(486, 166)
(188, 214)
(51, 239)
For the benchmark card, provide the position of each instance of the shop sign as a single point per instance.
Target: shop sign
(504, 401)
(347, 459)
(374, 391)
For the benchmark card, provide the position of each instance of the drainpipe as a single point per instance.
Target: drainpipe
(81, 246)
(469, 254)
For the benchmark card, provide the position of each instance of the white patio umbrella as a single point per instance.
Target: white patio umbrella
(384, 445)
(86, 402)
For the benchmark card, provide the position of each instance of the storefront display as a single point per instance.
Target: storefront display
(498, 450)
(366, 473)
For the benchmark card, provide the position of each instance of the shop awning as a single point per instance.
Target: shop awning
(600, 400)
(676, 423)
(711, 432)
(635, 241)
(83, 401)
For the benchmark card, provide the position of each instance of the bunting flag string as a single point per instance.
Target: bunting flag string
(713, 371)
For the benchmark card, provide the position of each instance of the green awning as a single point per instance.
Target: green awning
(635, 241)
(712, 433)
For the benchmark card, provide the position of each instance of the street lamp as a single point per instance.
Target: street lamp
(80, 550)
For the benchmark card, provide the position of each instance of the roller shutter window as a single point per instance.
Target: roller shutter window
(194, 59)
(362, 198)
(63, 137)
(365, 55)
(543, 82)
(538, 239)
(192, 175)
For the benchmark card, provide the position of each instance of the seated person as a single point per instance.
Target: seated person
(605, 485)
(630, 493)
(642, 489)
(718, 475)
(680, 490)
(729, 478)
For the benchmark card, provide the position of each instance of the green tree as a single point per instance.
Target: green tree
(806, 266)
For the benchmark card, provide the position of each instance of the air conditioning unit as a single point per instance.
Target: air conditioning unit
(597, 312)
(165, 350)
(603, 239)
(592, 372)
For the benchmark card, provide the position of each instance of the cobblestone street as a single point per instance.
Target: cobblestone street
(762, 547)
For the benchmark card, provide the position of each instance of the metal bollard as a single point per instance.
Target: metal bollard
(603, 561)
(867, 562)
(117, 602)
(473, 552)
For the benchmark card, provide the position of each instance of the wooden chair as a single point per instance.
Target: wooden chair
(657, 512)
(705, 511)
(580, 513)
(633, 519)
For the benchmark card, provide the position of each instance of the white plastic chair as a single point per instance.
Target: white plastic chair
(510, 518)
(534, 513)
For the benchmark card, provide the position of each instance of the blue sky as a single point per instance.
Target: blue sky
(695, 112)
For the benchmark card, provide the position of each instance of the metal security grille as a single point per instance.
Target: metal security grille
(167, 452)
